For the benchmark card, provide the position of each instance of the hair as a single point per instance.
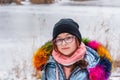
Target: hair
(82, 64)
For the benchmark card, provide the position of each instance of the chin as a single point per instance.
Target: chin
(69, 54)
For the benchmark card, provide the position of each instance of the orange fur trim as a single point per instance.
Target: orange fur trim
(103, 52)
(41, 56)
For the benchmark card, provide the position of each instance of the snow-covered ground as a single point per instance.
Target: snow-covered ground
(26, 27)
(107, 3)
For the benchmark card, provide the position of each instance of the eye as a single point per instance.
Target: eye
(69, 38)
(59, 40)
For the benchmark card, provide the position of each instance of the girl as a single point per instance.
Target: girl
(71, 59)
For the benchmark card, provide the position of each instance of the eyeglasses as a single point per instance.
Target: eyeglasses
(67, 40)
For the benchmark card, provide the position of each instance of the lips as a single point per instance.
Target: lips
(65, 48)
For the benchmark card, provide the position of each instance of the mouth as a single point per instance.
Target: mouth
(65, 48)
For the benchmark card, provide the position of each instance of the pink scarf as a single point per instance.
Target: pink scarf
(67, 61)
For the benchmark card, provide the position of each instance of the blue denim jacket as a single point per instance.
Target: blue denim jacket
(49, 72)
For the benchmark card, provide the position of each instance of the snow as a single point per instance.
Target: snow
(108, 3)
(25, 28)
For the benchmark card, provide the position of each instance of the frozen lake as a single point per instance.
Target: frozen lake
(23, 29)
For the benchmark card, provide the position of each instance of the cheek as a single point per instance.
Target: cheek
(58, 48)
(74, 46)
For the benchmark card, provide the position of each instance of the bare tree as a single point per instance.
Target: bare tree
(10, 1)
(5, 1)
(41, 1)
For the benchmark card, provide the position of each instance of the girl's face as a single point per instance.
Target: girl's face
(66, 43)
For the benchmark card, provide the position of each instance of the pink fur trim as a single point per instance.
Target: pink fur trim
(97, 73)
(93, 44)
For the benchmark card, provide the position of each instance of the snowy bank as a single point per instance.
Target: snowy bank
(23, 29)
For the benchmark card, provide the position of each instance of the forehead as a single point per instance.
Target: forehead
(64, 34)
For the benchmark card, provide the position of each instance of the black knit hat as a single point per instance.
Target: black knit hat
(67, 26)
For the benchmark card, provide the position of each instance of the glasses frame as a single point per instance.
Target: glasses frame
(65, 40)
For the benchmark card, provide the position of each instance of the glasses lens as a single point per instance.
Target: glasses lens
(58, 41)
(69, 39)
